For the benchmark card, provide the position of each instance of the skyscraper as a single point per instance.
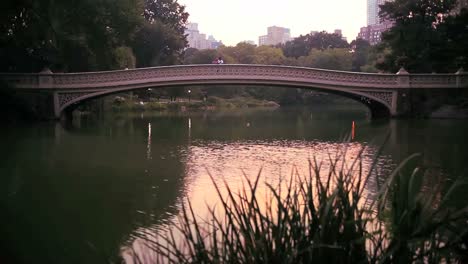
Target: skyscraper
(198, 40)
(373, 11)
(373, 31)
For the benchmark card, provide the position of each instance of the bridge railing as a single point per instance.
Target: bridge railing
(433, 80)
(232, 72)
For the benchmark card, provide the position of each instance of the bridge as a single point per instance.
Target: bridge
(384, 94)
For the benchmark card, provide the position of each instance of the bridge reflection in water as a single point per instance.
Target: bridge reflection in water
(81, 192)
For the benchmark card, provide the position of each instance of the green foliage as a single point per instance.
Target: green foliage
(302, 45)
(333, 59)
(425, 38)
(157, 44)
(242, 53)
(65, 35)
(375, 57)
(161, 40)
(361, 49)
(269, 56)
(124, 58)
(168, 12)
(194, 56)
(90, 35)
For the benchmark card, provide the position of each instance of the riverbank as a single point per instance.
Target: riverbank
(211, 103)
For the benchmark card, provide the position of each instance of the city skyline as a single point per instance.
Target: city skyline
(241, 20)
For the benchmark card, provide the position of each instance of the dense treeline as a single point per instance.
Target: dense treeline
(89, 35)
(320, 50)
(427, 36)
(70, 36)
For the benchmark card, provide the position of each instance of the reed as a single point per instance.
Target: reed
(322, 218)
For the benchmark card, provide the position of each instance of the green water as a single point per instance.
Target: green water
(76, 193)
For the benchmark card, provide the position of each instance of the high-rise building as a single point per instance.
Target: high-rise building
(198, 40)
(275, 35)
(373, 33)
(263, 40)
(375, 26)
(373, 11)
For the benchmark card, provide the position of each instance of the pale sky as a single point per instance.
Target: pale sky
(233, 21)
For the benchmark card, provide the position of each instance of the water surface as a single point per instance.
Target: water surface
(76, 193)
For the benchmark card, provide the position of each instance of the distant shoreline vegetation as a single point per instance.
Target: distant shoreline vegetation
(210, 103)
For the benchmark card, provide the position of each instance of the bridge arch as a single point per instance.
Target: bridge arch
(382, 93)
(378, 107)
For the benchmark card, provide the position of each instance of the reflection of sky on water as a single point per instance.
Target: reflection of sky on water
(277, 160)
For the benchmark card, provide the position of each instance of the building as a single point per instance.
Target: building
(262, 40)
(373, 33)
(275, 35)
(213, 43)
(339, 32)
(375, 26)
(373, 11)
(198, 40)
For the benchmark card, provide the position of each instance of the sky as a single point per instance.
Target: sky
(233, 21)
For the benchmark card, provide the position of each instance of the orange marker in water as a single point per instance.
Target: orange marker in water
(352, 131)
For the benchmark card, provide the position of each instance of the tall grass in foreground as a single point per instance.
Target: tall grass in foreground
(320, 219)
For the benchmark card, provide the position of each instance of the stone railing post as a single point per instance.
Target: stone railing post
(45, 79)
(458, 77)
(403, 78)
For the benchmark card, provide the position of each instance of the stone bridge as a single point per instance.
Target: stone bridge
(384, 94)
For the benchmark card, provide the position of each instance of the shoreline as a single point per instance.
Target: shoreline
(210, 104)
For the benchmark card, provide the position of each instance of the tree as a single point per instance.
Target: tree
(161, 40)
(168, 12)
(124, 58)
(268, 55)
(158, 44)
(302, 45)
(241, 53)
(65, 35)
(194, 56)
(332, 59)
(361, 49)
(455, 32)
(418, 40)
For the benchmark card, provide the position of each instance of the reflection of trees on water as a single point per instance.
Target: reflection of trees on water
(85, 191)
(80, 192)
